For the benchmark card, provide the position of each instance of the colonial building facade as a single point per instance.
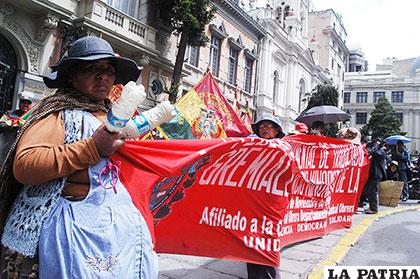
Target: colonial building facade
(399, 82)
(289, 65)
(328, 29)
(232, 55)
(34, 34)
(269, 56)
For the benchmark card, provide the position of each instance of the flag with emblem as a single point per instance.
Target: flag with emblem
(204, 113)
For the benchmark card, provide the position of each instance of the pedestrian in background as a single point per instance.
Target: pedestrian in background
(317, 128)
(300, 128)
(73, 218)
(403, 158)
(392, 171)
(267, 126)
(377, 173)
(351, 134)
(24, 106)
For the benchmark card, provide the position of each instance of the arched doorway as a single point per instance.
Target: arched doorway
(8, 67)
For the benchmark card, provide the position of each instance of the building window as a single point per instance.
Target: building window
(400, 116)
(192, 54)
(397, 96)
(361, 97)
(125, 6)
(347, 97)
(361, 118)
(377, 96)
(233, 65)
(332, 64)
(248, 75)
(215, 55)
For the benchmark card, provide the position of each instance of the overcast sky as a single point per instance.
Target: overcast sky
(381, 28)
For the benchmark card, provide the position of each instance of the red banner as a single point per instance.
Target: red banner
(243, 198)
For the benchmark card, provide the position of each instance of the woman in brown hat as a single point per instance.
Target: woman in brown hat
(72, 217)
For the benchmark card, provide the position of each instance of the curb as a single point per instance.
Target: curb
(339, 251)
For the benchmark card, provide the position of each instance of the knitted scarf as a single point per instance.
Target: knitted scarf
(62, 99)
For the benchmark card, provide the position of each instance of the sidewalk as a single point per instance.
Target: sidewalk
(303, 260)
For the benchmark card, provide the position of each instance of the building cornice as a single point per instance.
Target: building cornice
(331, 30)
(234, 9)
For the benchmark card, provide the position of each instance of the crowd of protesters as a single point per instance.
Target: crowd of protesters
(64, 147)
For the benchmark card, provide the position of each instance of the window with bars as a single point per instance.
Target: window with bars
(346, 97)
(361, 97)
(233, 65)
(192, 55)
(361, 118)
(215, 55)
(248, 75)
(377, 96)
(397, 96)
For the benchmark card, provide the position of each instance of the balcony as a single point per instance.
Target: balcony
(106, 18)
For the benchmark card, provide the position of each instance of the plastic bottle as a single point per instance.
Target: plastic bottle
(148, 120)
(123, 109)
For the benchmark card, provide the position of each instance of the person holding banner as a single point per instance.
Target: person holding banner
(73, 218)
(267, 126)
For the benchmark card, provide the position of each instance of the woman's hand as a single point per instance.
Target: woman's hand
(106, 142)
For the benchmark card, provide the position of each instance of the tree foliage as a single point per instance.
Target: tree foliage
(325, 95)
(383, 121)
(189, 19)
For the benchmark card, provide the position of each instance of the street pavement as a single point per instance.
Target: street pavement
(302, 260)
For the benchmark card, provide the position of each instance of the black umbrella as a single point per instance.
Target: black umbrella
(326, 114)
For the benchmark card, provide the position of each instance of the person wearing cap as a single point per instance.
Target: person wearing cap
(72, 217)
(392, 171)
(267, 126)
(24, 106)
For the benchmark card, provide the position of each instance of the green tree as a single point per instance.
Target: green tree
(324, 95)
(189, 19)
(383, 121)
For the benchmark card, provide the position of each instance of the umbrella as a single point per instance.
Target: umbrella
(393, 139)
(326, 114)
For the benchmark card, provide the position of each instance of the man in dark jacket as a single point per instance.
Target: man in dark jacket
(377, 172)
(403, 158)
